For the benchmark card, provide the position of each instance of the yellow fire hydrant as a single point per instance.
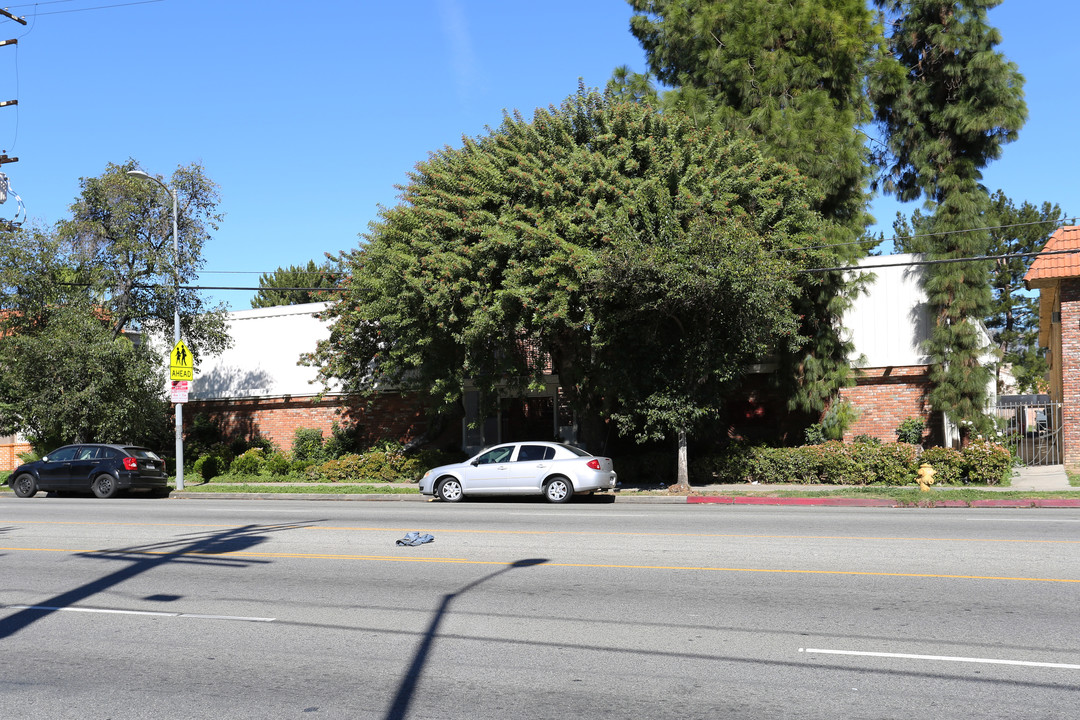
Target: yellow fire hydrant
(926, 477)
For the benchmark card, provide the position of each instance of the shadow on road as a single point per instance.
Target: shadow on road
(201, 548)
(400, 707)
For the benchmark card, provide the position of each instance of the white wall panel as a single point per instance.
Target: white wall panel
(267, 345)
(890, 319)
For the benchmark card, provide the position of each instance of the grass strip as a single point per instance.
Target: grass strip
(313, 488)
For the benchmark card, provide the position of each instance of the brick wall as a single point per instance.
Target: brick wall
(1070, 371)
(9, 453)
(389, 416)
(885, 397)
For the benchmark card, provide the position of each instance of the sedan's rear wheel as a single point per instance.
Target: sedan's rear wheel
(449, 490)
(104, 486)
(25, 486)
(558, 490)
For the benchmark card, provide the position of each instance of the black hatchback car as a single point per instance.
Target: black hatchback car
(101, 469)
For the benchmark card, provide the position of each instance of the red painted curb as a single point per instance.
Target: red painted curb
(879, 502)
(1057, 502)
(1002, 503)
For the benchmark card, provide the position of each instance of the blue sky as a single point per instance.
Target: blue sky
(308, 114)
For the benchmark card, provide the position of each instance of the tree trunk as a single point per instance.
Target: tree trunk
(683, 463)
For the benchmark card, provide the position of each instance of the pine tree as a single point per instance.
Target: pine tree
(296, 285)
(948, 102)
(1014, 318)
(788, 72)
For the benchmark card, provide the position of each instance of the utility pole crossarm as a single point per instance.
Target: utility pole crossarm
(20, 20)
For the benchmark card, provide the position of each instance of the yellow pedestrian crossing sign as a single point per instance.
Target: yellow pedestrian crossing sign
(181, 363)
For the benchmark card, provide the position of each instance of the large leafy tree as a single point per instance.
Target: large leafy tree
(579, 242)
(121, 246)
(948, 103)
(81, 303)
(297, 284)
(790, 76)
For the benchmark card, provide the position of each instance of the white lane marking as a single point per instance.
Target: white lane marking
(142, 612)
(943, 658)
(226, 617)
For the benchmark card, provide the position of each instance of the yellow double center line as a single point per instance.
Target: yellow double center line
(602, 566)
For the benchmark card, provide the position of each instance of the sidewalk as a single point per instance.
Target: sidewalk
(1047, 478)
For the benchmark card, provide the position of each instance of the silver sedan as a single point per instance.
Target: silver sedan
(553, 470)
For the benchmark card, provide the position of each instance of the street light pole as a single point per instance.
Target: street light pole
(176, 319)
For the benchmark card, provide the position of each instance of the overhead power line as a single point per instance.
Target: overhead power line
(943, 261)
(84, 9)
(1060, 222)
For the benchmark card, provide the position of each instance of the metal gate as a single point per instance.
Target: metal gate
(1032, 427)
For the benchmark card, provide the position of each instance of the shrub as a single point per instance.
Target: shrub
(730, 466)
(867, 440)
(208, 466)
(948, 465)
(300, 467)
(780, 465)
(815, 434)
(386, 462)
(276, 464)
(987, 462)
(308, 444)
(832, 463)
(347, 468)
(886, 464)
(343, 440)
(249, 463)
(911, 431)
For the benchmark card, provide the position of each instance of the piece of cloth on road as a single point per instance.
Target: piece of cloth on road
(416, 538)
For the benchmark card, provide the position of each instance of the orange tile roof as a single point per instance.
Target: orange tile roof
(1050, 267)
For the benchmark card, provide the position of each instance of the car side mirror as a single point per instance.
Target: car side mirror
(475, 463)
(45, 459)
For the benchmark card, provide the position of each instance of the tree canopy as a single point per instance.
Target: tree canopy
(296, 285)
(639, 257)
(787, 72)
(790, 77)
(81, 304)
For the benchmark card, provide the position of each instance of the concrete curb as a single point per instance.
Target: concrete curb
(929, 503)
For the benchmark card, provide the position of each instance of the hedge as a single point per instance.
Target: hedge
(837, 463)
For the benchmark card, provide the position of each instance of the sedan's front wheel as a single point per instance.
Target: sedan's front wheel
(25, 486)
(558, 490)
(104, 486)
(449, 490)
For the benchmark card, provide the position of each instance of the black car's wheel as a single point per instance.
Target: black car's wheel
(449, 490)
(25, 486)
(104, 486)
(558, 490)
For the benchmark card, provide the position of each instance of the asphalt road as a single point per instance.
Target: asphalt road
(140, 608)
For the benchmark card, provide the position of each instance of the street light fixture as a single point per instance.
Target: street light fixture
(176, 319)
